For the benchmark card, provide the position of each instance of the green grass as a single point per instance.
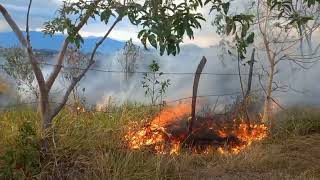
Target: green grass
(89, 146)
(297, 121)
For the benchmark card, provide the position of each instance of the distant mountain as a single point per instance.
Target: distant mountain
(40, 41)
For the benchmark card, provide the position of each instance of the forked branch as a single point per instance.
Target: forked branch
(53, 76)
(77, 79)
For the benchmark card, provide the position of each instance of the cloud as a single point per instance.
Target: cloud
(4, 26)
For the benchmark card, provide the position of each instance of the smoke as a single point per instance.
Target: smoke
(100, 86)
(299, 85)
(8, 94)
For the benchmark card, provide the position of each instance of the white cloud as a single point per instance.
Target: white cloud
(203, 40)
(4, 26)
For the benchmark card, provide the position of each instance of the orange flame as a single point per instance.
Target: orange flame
(171, 114)
(155, 136)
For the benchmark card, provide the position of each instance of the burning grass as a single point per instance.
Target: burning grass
(90, 146)
(168, 133)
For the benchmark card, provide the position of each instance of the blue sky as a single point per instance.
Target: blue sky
(43, 10)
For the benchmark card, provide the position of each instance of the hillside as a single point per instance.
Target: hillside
(45, 42)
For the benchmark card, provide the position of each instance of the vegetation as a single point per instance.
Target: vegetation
(153, 84)
(89, 146)
(17, 67)
(128, 58)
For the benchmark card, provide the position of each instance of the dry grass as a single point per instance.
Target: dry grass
(89, 146)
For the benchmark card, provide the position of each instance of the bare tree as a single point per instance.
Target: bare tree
(17, 67)
(276, 29)
(280, 39)
(128, 58)
(176, 19)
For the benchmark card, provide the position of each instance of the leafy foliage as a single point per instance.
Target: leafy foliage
(237, 25)
(154, 87)
(164, 24)
(286, 10)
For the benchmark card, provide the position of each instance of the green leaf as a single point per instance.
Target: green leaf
(105, 15)
(225, 7)
(250, 38)
(153, 41)
(229, 25)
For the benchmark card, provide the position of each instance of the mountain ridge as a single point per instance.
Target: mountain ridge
(41, 41)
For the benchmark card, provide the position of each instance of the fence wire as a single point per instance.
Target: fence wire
(10, 106)
(139, 72)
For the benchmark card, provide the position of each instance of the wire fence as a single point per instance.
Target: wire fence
(73, 105)
(237, 93)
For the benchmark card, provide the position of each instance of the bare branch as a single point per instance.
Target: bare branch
(27, 23)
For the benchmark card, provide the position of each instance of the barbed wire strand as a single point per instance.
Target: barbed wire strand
(139, 72)
(140, 105)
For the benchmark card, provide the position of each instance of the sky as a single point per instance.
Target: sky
(44, 10)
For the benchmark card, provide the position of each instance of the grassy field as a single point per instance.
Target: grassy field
(89, 146)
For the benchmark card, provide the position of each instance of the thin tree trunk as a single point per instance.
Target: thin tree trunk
(267, 103)
(271, 59)
(45, 109)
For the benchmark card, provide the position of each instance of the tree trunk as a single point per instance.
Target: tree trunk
(267, 103)
(45, 109)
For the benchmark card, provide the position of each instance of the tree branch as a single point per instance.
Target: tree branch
(54, 74)
(27, 23)
(77, 79)
(15, 28)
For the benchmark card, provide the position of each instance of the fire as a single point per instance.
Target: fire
(167, 133)
(171, 114)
